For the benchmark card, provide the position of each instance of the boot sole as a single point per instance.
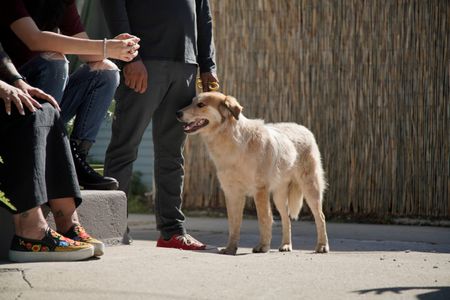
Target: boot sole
(25, 256)
(102, 187)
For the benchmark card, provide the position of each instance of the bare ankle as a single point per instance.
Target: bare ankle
(30, 224)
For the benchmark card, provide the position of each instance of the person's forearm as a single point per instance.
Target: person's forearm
(88, 58)
(37, 40)
(8, 72)
(50, 41)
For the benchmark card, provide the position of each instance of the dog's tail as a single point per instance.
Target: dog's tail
(295, 200)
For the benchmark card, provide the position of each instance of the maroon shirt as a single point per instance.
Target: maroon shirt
(13, 10)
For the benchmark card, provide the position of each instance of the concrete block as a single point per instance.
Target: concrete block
(102, 213)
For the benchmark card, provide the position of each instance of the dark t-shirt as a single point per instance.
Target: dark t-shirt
(174, 30)
(13, 10)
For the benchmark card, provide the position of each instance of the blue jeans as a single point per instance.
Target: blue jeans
(85, 94)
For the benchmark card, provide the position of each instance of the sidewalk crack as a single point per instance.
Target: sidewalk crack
(24, 277)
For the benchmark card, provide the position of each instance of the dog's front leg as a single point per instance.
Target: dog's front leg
(265, 220)
(235, 208)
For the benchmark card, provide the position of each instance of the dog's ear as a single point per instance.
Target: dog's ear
(233, 106)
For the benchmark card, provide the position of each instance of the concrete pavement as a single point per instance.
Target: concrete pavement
(367, 261)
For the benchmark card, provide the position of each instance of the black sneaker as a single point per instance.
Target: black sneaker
(53, 247)
(88, 177)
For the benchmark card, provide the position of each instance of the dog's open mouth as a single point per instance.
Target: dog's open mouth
(196, 125)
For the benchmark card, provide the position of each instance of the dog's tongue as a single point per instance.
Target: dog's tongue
(189, 126)
(193, 126)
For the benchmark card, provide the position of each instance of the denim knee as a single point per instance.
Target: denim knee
(108, 73)
(48, 71)
(57, 64)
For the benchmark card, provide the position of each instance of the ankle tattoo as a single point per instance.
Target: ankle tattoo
(24, 215)
(58, 214)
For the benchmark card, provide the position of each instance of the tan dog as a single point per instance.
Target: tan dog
(256, 159)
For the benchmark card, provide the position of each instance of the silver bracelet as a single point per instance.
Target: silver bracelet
(105, 54)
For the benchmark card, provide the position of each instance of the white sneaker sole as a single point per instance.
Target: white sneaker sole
(99, 249)
(25, 256)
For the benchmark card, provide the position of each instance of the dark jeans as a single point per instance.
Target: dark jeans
(85, 94)
(171, 86)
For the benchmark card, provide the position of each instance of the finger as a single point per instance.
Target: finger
(144, 84)
(124, 36)
(129, 56)
(135, 40)
(126, 79)
(134, 54)
(132, 83)
(44, 96)
(27, 102)
(134, 48)
(8, 106)
(138, 85)
(205, 85)
(36, 104)
(19, 105)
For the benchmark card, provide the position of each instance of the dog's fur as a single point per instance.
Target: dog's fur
(256, 159)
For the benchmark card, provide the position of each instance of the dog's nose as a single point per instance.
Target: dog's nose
(179, 114)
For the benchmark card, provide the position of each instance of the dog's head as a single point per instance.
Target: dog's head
(208, 111)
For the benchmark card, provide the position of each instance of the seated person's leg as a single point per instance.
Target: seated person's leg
(36, 167)
(35, 241)
(68, 224)
(87, 97)
(48, 71)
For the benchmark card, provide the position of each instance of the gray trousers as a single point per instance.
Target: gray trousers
(171, 86)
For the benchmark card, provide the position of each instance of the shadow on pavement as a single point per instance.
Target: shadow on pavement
(432, 292)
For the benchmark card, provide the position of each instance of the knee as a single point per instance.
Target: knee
(108, 72)
(56, 63)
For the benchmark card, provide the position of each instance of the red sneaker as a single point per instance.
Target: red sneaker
(184, 242)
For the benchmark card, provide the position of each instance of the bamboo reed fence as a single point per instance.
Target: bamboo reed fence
(369, 78)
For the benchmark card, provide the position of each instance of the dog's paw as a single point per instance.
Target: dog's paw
(285, 248)
(322, 248)
(228, 251)
(261, 249)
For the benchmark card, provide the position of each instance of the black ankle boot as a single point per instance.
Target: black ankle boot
(87, 177)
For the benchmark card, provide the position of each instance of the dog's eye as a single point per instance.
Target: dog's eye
(200, 104)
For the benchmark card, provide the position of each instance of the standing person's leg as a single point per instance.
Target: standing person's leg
(88, 95)
(169, 139)
(131, 117)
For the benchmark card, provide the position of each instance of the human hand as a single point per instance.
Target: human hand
(123, 47)
(37, 93)
(135, 75)
(209, 81)
(21, 98)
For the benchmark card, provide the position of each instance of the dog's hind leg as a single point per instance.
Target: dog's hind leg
(235, 208)
(313, 195)
(280, 198)
(265, 220)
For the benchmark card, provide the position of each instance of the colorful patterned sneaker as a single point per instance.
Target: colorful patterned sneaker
(184, 242)
(78, 233)
(53, 247)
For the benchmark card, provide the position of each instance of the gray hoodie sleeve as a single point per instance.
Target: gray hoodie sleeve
(205, 41)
